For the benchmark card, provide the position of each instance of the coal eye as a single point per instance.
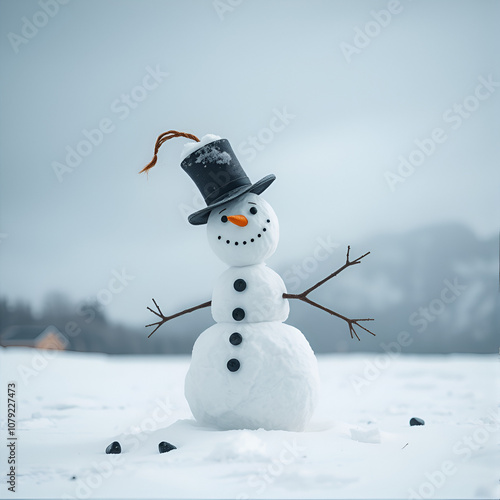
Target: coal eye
(253, 210)
(223, 218)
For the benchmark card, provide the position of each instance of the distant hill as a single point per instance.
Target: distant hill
(440, 284)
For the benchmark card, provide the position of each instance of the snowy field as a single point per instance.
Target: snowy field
(70, 406)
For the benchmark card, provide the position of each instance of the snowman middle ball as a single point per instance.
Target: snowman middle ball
(257, 290)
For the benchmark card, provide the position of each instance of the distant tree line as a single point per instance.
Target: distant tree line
(87, 328)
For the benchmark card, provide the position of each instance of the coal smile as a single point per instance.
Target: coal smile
(245, 242)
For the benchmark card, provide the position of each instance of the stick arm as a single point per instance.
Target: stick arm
(164, 318)
(348, 263)
(303, 296)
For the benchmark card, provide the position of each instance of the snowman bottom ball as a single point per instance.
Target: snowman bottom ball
(251, 376)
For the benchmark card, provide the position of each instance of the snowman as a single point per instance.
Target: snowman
(250, 370)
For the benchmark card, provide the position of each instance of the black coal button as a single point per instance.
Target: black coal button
(416, 421)
(233, 365)
(114, 448)
(235, 338)
(240, 285)
(163, 447)
(238, 314)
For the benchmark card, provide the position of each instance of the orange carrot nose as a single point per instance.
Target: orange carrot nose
(239, 220)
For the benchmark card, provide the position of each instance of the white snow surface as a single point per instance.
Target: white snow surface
(191, 147)
(70, 406)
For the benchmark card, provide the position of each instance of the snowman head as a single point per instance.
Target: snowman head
(243, 232)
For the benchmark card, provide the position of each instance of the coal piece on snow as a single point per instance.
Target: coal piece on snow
(163, 447)
(114, 448)
(416, 421)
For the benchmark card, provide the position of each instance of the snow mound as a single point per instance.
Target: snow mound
(243, 446)
(366, 435)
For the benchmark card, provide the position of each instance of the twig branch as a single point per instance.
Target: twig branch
(303, 296)
(347, 264)
(351, 322)
(164, 318)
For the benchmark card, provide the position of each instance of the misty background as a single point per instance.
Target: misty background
(380, 120)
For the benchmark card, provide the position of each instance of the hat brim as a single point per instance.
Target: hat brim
(201, 216)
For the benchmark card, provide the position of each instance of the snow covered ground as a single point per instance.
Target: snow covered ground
(70, 406)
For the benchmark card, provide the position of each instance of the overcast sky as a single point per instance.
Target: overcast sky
(332, 97)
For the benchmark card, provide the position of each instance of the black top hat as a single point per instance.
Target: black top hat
(219, 176)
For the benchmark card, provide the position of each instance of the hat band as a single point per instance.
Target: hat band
(226, 189)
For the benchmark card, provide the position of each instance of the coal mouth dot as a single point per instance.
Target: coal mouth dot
(252, 240)
(236, 243)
